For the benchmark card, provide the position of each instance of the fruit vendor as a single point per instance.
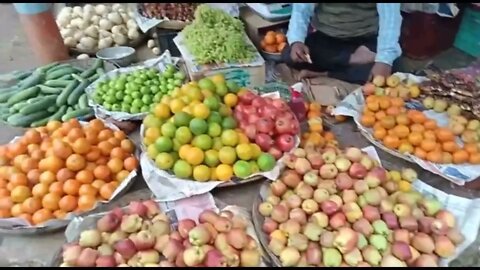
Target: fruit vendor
(351, 42)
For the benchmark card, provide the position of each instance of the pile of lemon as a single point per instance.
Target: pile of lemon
(193, 133)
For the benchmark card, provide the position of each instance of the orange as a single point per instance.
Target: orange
(16, 149)
(430, 124)
(5, 213)
(471, 148)
(379, 133)
(417, 128)
(402, 119)
(417, 117)
(397, 102)
(71, 187)
(68, 203)
(6, 203)
(33, 136)
(96, 124)
(84, 177)
(98, 184)
(87, 189)
(388, 122)
(27, 217)
(102, 161)
(31, 205)
(118, 152)
(105, 147)
(428, 145)
(449, 146)
(4, 192)
(105, 134)
(280, 38)
(41, 216)
(115, 165)
(119, 135)
(50, 201)
(53, 125)
(29, 164)
(81, 146)
(415, 138)
(406, 147)
(102, 172)
(384, 103)
(16, 210)
(106, 191)
(371, 98)
(380, 115)
(37, 154)
(366, 111)
(75, 162)
(39, 190)
(435, 157)
(64, 174)
(86, 202)
(93, 154)
(20, 194)
(127, 145)
(373, 106)
(51, 163)
(122, 175)
(75, 134)
(430, 135)
(47, 177)
(18, 179)
(114, 141)
(130, 164)
(460, 156)
(420, 153)
(367, 120)
(393, 111)
(57, 188)
(91, 136)
(474, 158)
(401, 131)
(447, 158)
(391, 141)
(444, 134)
(59, 214)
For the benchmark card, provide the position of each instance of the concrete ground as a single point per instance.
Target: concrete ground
(38, 250)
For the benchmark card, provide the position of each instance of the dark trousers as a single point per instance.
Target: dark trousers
(330, 54)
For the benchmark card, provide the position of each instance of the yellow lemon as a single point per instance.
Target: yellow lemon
(230, 100)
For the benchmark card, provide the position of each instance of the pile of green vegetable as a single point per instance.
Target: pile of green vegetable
(135, 92)
(52, 92)
(216, 37)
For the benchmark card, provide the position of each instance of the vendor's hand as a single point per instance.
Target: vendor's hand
(381, 69)
(299, 52)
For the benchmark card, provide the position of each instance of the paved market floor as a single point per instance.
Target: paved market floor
(39, 250)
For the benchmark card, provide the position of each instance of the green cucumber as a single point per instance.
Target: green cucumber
(62, 98)
(22, 75)
(76, 113)
(58, 115)
(67, 77)
(52, 108)
(20, 120)
(58, 67)
(32, 80)
(57, 83)
(89, 72)
(49, 90)
(16, 107)
(5, 95)
(39, 105)
(48, 67)
(78, 78)
(23, 95)
(40, 123)
(77, 92)
(83, 101)
(59, 73)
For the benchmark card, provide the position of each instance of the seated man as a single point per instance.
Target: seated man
(351, 43)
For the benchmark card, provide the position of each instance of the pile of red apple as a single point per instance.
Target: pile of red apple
(268, 122)
(142, 236)
(333, 208)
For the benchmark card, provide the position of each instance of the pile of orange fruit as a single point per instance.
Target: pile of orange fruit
(274, 42)
(316, 136)
(412, 132)
(61, 168)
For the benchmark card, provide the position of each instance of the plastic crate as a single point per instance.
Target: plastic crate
(165, 41)
(468, 37)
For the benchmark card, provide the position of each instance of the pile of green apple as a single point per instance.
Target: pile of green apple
(135, 92)
(340, 208)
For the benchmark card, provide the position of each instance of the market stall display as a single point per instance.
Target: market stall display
(51, 92)
(127, 93)
(340, 208)
(92, 27)
(142, 235)
(391, 119)
(61, 169)
(181, 12)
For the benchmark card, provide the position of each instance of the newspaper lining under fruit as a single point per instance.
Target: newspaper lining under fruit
(19, 224)
(466, 211)
(160, 63)
(352, 106)
(167, 187)
(176, 210)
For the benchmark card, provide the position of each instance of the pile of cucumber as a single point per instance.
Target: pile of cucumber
(52, 92)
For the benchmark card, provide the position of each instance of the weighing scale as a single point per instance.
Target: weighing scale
(272, 11)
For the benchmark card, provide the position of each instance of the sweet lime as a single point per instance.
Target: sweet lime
(182, 169)
(152, 151)
(152, 121)
(215, 117)
(203, 142)
(182, 119)
(229, 137)
(256, 150)
(227, 155)
(242, 169)
(206, 83)
(229, 123)
(232, 86)
(201, 173)
(168, 129)
(198, 126)
(224, 172)
(176, 145)
(195, 156)
(214, 129)
(183, 135)
(164, 161)
(221, 89)
(164, 144)
(254, 166)
(161, 111)
(201, 111)
(225, 110)
(211, 158)
(244, 151)
(212, 103)
(266, 162)
(217, 143)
